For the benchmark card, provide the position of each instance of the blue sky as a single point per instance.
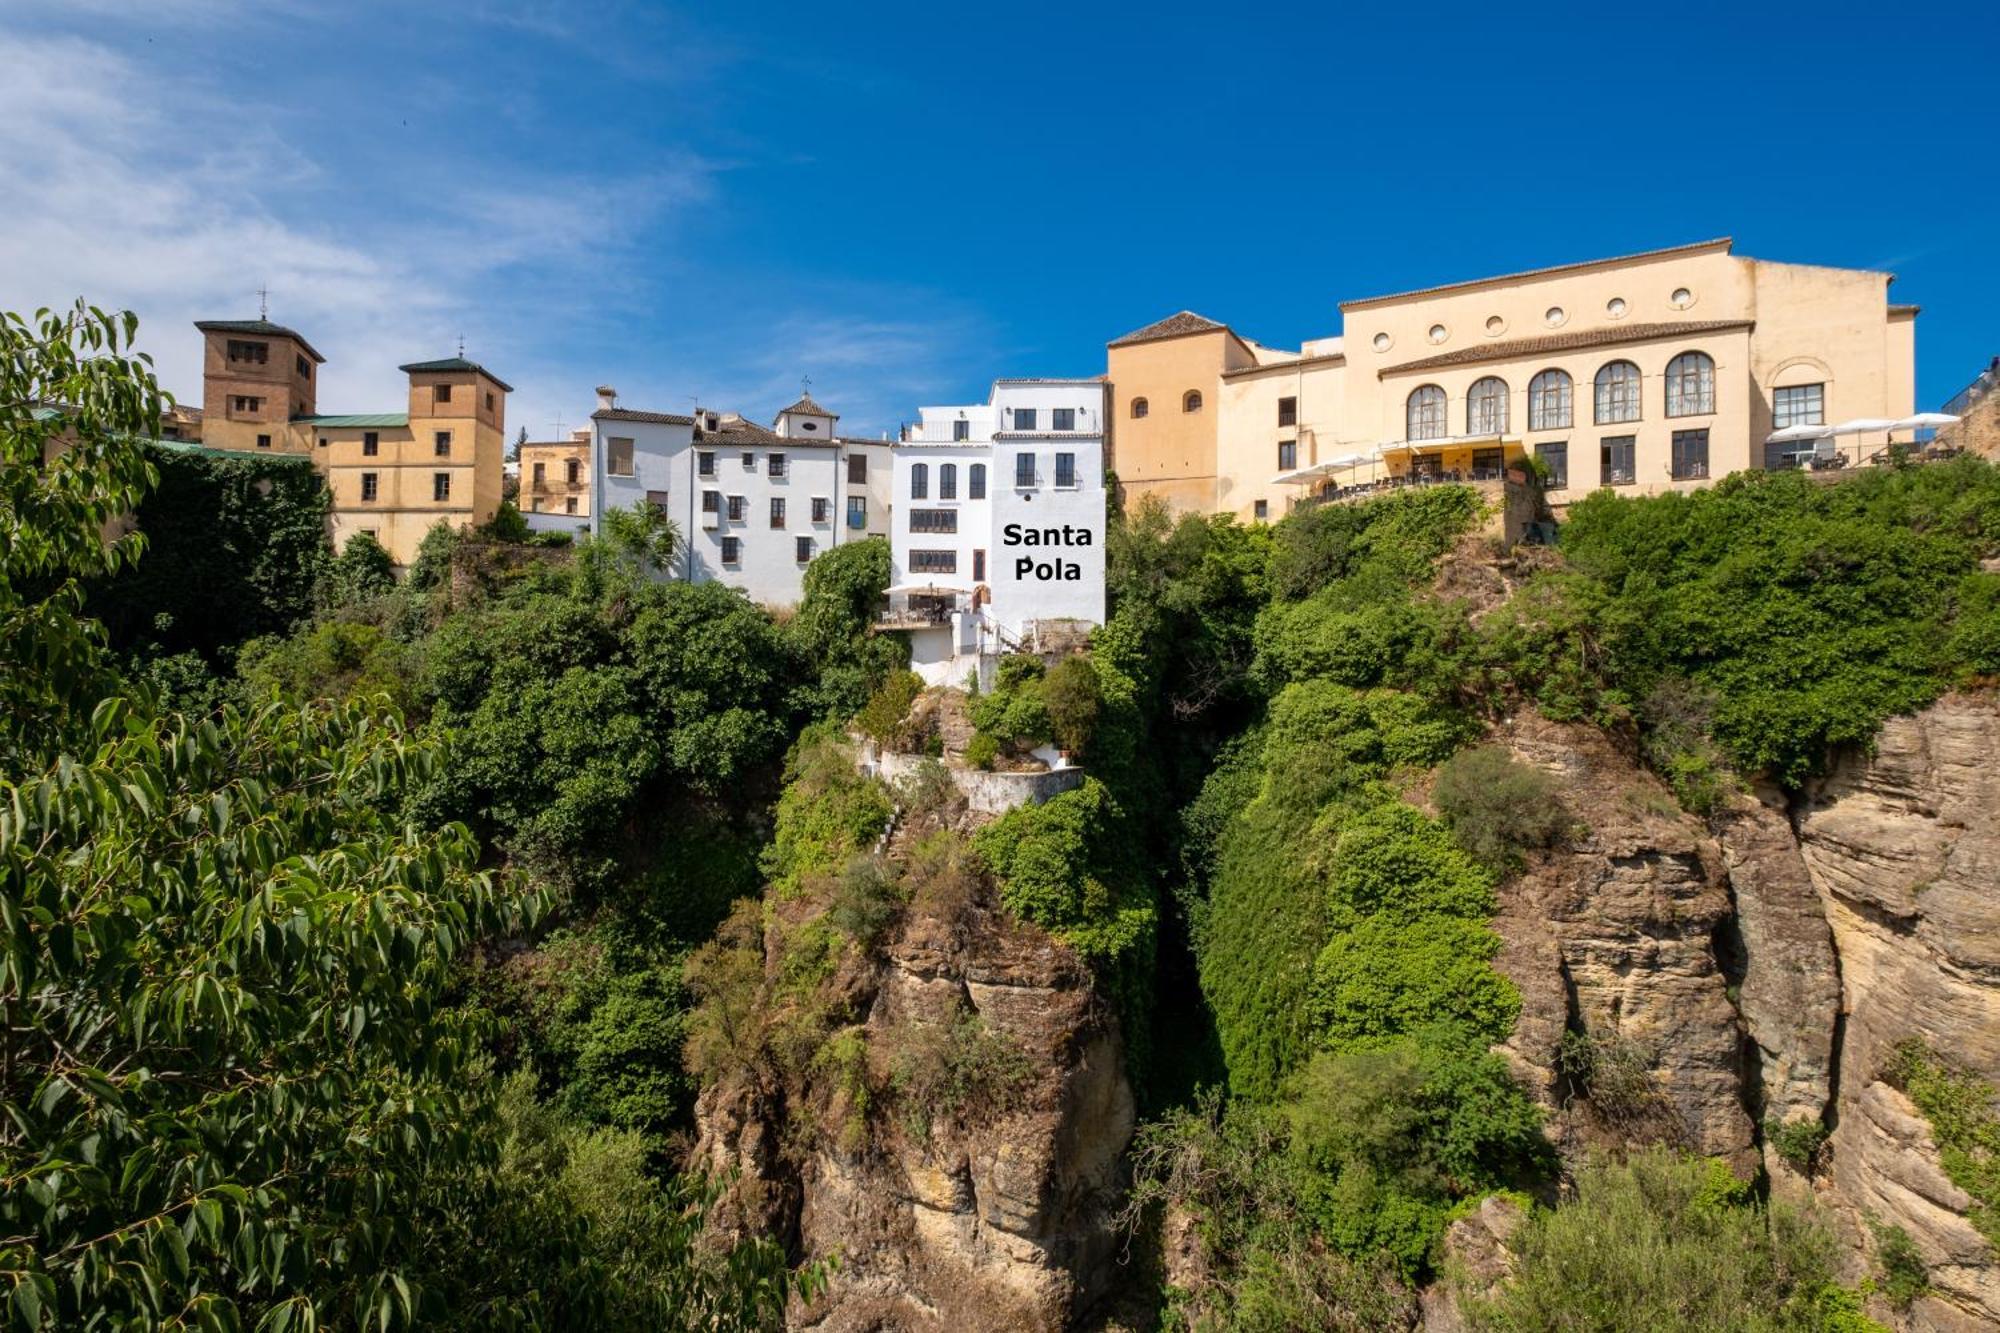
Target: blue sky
(904, 201)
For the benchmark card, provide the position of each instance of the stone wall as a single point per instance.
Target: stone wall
(987, 793)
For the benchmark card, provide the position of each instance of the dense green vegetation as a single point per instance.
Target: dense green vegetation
(1964, 1114)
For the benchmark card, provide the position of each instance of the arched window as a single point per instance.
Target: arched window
(975, 482)
(1486, 407)
(1617, 393)
(1690, 385)
(947, 481)
(1138, 407)
(1425, 418)
(1191, 401)
(920, 480)
(1549, 401)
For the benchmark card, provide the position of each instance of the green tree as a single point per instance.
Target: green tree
(362, 570)
(71, 404)
(642, 537)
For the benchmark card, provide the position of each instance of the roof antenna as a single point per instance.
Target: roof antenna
(461, 345)
(263, 303)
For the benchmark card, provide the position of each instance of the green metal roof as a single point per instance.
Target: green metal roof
(263, 326)
(363, 420)
(210, 451)
(454, 363)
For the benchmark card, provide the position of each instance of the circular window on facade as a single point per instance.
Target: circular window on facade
(1555, 316)
(1682, 298)
(1495, 326)
(1615, 307)
(1381, 342)
(1437, 333)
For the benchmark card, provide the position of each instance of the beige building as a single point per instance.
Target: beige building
(555, 476)
(1649, 372)
(393, 475)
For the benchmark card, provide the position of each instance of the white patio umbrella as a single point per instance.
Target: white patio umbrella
(1798, 434)
(1863, 426)
(1924, 421)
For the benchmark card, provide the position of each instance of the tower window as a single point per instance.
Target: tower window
(441, 444)
(443, 392)
(440, 486)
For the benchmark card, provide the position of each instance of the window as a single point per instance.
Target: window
(440, 486)
(961, 430)
(305, 368)
(618, 456)
(979, 566)
(1139, 408)
(711, 502)
(933, 520)
(1062, 418)
(947, 481)
(371, 486)
(371, 444)
(658, 500)
(1691, 385)
(1288, 455)
(749, 461)
(535, 505)
(263, 442)
(441, 444)
(1191, 401)
(1549, 401)
(1424, 414)
(857, 512)
(920, 481)
(322, 439)
(1261, 510)
(704, 463)
(1555, 463)
(245, 403)
(1779, 457)
(774, 465)
(857, 469)
(442, 392)
(541, 477)
(1617, 397)
(732, 550)
(808, 426)
(1614, 457)
(256, 353)
(1066, 472)
(489, 401)
(934, 562)
(737, 508)
(569, 505)
(1690, 457)
(572, 470)
(804, 545)
(1799, 405)
(1486, 407)
(1024, 469)
(1024, 418)
(821, 508)
(1288, 411)
(777, 511)
(975, 482)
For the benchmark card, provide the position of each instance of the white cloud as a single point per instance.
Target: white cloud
(123, 192)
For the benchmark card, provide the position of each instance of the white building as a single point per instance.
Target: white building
(998, 532)
(754, 506)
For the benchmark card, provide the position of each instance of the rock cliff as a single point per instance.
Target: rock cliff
(958, 1152)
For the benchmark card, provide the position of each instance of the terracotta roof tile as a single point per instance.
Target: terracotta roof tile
(1565, 342)
(1173, 326)
(653, 418)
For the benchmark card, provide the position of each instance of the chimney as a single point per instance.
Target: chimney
(607, 397)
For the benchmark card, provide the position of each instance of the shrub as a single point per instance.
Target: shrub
(1614, 1072)
(827, 813)
(982, 750)
(1965, 1122)
(1798, 1143)
(866, 898)
(882, 718)
(949, 1072)
(1073, 699)
(1904, 1273)
(1661, 1241)
(507, 525)
(1498, 808)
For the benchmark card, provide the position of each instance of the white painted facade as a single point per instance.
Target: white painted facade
(998, 532)
(754, 506)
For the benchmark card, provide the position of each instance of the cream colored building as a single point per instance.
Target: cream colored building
(392, 475)
(555, 476)
(1648, 372)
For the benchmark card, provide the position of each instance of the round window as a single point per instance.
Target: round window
(1682, 298)
(1495, 326)
(1437, 333)
(1382, 342)
(1615, 307)
(1554, 316)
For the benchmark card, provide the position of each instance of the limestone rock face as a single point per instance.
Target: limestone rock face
(983, 1218)
(1904, 849)
(1612, 936)
(1476, 1261)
